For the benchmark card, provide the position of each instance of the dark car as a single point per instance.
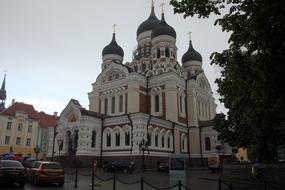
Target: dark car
(119, 165)
(163, 166)
(12, 171)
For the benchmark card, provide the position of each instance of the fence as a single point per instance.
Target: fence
(244, 184)
(115, 179)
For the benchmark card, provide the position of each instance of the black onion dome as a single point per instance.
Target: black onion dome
(113, 48)
(148, 24)
(191, 54)
(163, 29)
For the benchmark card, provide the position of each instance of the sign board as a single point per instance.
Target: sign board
(177, 169)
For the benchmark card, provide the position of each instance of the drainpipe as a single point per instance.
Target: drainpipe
(173, 140)
(53, 142)
(186, 111)
(201, 154)
(131, 123)
(101, 145)
(147, 98)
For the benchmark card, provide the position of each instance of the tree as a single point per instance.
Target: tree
(252, 70)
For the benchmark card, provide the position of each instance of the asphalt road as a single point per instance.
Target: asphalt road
(157, 179)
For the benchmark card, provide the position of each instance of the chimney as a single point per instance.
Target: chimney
(13, 101)
(55, 114)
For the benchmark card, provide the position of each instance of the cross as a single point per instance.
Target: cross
(114, 28)
(189, 33)
(161, 5)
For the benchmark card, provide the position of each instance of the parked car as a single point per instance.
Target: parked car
(119, 165)
(12, 171)
(163, 166)
(45, 172)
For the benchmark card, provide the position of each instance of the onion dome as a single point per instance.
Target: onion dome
(163, 29)
(148, 24)
(191, 54)
(113, 48)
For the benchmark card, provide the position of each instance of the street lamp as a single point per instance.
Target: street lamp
(37, 151)
(54, 135)
(143, 146)
(59, 143)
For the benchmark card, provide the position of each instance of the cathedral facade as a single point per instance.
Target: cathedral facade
(147, 109)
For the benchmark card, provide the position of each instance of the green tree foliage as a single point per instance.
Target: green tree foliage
(252, 82)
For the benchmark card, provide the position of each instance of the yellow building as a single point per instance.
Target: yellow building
(21, 127)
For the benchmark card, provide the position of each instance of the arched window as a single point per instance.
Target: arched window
(113, 105)
(121, 101)
(167, 52)
(180, 103)
(183, 143)
(156, 140)
(127, 138)
(108, 140)
(207, 143)
(162, 141)
(136, 68)
(143, 67)
(156, 103)
(168, 142)
(93, 143)
(106, 105)
(149, 139)
(75, 141)
(158, 53)
(117, 139)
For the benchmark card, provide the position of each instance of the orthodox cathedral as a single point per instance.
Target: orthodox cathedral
(143, 110)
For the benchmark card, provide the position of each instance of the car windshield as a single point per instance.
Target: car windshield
(10, 164)
(51, 166)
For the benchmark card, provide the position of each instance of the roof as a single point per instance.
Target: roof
(191, 54)
(113, 48)
(148, 24)
(45, 120)
(163, 29)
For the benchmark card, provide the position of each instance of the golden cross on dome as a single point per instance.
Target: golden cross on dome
(114, 28)
(161, 5)
(189, 33)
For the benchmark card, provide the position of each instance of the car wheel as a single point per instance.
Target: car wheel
(35, 181)
(22, 184)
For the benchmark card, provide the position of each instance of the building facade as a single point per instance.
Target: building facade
(145, 109)
(23, 130)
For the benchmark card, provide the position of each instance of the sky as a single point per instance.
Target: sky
(52, 50)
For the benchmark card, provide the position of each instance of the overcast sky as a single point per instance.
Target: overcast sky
(52, 49)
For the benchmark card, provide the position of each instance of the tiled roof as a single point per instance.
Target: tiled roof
(44, 119)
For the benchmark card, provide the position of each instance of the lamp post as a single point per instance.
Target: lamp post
(37, 151)
(59, 143)
(53, 142)
(143, 146)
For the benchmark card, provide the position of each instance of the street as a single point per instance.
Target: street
(157, 179)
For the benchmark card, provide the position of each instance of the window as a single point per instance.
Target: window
(108, 140)
(143, 67)
(106, 105)
(136, 68)
(20, 126)
(156, 140)
(113, 105)
(168, 142)
(18, 141)
(180, 103)
(121, 101)
(149, 139)
(93, 143)
(29, 128)
(167, 52)
(7, 140)
(127, 138)
(156, 103)
(207, 143)
(28, 142)
(162, 141)
(117, 139)
(9, 125)
(183, 144)
(158, 53)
